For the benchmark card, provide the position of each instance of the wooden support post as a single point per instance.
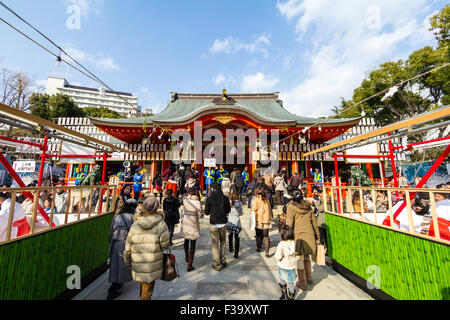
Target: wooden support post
(408, 209)
(52, 209)
(374, 200)
(361, 199)
(336, 172)
(79, 203)
(352, 210)
(33, 217)
(114, 199)
(108, 193)
(434, 215)
(90, 202)
(332, 200)
(11, 216)
(69, 194)
(325, 199)
(391, 216)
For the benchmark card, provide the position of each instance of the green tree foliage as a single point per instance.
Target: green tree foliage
(61, 106)
(56, 106)
(39, 106)
(436, 84)
(440, 25)
(405, 103)
(101, 113)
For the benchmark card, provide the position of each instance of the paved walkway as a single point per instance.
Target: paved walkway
(251, 277)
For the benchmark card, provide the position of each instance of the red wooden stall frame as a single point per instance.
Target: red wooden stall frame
(44, 155)
(336, 172)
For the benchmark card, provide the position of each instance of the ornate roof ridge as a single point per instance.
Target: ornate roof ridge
(179, 95)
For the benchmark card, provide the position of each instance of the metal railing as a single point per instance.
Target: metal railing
(76, 203)
(378, 206)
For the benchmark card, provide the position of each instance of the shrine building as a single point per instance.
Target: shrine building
(223, 111)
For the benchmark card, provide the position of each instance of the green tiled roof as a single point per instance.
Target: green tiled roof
(266, 108)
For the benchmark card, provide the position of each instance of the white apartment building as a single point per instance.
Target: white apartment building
(91, 97)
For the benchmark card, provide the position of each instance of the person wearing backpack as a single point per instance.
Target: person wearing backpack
(226, 185)
(239, 184)
(119, 272)
(157, 187)
(170, 209)
(180, 181)
(280, 188)
(286, 199)
(234, 224)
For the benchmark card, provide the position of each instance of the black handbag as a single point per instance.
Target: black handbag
(169, 267)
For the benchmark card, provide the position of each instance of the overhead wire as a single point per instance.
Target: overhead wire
(97, 79)
(90, 75)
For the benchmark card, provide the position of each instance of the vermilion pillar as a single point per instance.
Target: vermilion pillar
(370, 172)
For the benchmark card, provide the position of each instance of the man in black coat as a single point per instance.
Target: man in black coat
(218, 207)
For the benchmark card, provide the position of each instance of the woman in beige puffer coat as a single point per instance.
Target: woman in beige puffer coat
(146, 241)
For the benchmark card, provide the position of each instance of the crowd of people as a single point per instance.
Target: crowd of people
(141, 231)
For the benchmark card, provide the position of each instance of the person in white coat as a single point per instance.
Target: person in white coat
(287, 263)
(20, 225)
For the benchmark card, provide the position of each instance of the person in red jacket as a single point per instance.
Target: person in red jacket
(20, 226)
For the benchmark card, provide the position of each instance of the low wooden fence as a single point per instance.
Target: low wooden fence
(381, 257)
(57, 261)
(81, 202)
(339, 200)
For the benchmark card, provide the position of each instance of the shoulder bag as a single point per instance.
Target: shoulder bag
(169, 267)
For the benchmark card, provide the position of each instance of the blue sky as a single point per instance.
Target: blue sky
(311, 51)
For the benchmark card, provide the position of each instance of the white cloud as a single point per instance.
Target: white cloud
(99, 60)
(87, 7)
(290, 8)
(258, 83)
(41, 83)
(107, 64)
(220, 80)
(346, 43)
(149, 100)
(231, 45)
(145, 90)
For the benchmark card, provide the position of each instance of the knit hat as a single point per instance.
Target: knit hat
(151, 204)
(131, 203)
